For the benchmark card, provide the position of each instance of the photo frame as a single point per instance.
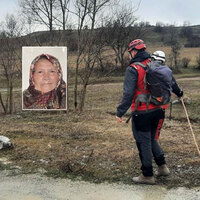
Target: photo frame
(44, 93)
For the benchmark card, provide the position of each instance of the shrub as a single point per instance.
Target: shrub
(194, 41)
(198, 61)
(185, 62)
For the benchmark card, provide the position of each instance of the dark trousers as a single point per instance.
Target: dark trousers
(145, 126)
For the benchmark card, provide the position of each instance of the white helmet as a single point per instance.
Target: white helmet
(159, 55)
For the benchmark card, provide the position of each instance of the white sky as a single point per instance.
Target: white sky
(166, 11)
(8, 7)
(169, 11)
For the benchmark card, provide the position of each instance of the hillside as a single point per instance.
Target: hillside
(153, 35)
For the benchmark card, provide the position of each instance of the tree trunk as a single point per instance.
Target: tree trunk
(82, 97)
(64, 22)
(121, 60)
(51, 16)
(76, 85)
(4, 108)
(11, 98)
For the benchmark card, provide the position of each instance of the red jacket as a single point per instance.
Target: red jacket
(141, 85)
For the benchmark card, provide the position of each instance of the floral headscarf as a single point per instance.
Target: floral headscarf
(54, 99)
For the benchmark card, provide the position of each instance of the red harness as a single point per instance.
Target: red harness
(141, 89)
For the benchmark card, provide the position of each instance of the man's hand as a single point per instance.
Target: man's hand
(119, 119)
(180, 94)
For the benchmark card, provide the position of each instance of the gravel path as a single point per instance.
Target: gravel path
(38, 187)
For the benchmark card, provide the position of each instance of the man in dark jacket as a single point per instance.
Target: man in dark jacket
(145, 124)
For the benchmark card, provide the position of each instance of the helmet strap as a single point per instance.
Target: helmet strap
(130, 52)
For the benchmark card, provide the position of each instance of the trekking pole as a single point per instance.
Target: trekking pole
(170, 111)
(190, 125)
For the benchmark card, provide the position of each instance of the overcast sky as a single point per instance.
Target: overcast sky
(169, 11)
(166, 11)
(7, 6)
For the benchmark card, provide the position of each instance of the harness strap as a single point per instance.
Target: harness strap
(145, 68)
(142, 65)
(143, 98)
(141, 112)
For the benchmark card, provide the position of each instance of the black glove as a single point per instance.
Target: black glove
(180, 94)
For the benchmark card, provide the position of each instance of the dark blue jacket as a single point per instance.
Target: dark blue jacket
(130, 84)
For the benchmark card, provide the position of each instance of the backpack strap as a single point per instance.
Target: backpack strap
(142, 65)
(145, 68)
(142, 98)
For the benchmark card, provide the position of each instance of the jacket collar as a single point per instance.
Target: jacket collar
(140, 56)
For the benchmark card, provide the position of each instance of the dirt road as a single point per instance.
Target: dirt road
(37, 187)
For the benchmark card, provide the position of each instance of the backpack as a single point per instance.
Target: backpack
(158, 79)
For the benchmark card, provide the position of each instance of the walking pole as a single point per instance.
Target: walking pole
(170, 111)
(190, 125)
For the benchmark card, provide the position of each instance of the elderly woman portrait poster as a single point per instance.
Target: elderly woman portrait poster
(47, 89)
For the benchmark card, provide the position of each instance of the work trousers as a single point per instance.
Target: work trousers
(146, 126)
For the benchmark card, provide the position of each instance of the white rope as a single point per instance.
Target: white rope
(190, 126)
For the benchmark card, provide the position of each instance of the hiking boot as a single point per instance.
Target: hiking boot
(144, 179)
(163, 170)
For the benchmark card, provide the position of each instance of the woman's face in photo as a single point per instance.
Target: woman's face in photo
(45, 76)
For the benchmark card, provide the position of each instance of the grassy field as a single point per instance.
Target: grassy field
(93, 146)
(190, 53)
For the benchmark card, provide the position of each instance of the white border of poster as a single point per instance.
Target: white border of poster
(29, 53)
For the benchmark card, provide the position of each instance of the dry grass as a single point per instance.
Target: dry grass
(190, 53)
(94, 146)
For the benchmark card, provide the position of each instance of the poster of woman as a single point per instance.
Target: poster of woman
(44, 78)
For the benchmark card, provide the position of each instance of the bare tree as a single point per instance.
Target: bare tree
(64, 5)
(86, 11)
(159, 28)
(186, 30)
(51, 13)
(9, 58)
(198, 61)
(41, 11)
(172, 34)
(120, 30)
(174, 55)
(185, 62)
(173, 40)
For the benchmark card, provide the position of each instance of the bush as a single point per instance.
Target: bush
(198, 61)
(72, 44)
(185, 62)
(194, 41)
